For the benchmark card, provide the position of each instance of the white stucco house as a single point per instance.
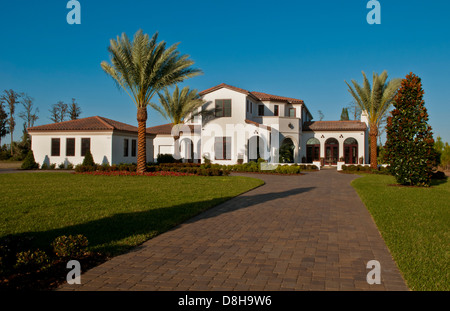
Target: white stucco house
(236, 125)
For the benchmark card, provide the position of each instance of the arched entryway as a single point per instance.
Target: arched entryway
(287, 148)
(351, 151)
(312, 150)
(331, 151)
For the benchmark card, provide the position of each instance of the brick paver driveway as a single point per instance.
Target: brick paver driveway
(309, 232)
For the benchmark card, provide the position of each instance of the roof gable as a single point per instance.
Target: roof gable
(256, 95)
(95, 123)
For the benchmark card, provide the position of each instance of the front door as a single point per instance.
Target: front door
(350, 154)
(331, 154)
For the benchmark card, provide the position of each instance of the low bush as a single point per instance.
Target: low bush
(438, 175)
(28, 261)
(81, 168)
(165, 158)
(70, 246)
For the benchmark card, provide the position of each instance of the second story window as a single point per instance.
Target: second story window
(223, 108)
(260, 110)
(292, 112)
(275, 110)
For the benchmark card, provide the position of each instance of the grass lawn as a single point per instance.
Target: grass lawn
(414, 223)
(115, 213)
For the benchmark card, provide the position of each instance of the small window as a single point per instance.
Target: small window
(292, 112)
(70, 147)
(260, 110)
(275, 110)
(85, 146)
(222, 148)
(133, 147)
(56, 144)
(223, 108)
(125, 147)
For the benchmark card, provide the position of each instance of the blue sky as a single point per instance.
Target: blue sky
(300, 49)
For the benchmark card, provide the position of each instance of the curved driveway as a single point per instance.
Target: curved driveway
(309, 232)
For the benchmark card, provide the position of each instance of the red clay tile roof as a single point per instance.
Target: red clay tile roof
(334, 126)
(263, 96)
(86, 124)
(257, 95)
(223, 85)
(166, 129)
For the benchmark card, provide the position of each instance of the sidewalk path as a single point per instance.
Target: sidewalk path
(309, 232)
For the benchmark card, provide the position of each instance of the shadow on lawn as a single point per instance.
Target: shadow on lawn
(102, 233)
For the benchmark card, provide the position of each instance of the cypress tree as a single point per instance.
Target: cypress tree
(410, 146)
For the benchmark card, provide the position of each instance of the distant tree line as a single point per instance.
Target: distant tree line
(9, 101)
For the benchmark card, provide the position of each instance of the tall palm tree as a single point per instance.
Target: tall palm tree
(375, 100)
(178, 107)
(142, 68)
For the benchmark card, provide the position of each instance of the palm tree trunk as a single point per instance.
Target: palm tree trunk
(373, 133)
(142, 143)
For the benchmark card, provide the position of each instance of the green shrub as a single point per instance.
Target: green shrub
(52, 166)
(44, 166)
(165, 158)
(32, 260)
(352, 168)
(88, 159)
(70, 246)
(62, 166)
(438, 175)
(29, 163)
(81, 168)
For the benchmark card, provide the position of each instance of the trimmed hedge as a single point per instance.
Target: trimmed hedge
(366, 169)
(206, 169)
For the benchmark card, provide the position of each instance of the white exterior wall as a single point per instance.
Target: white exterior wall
(101, 147)
(106, 147)
(225, 126)
(162, 144)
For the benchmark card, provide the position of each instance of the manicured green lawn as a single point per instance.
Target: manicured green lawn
(113, 212)
(415, 224)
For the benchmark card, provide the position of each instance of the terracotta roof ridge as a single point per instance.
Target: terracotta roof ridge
(105, 122)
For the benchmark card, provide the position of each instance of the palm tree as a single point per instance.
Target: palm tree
(142, 68)
(375, 101)
(179, 107)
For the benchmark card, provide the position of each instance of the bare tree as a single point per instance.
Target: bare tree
(354, 110)
(59, 112)
(321, 115)
(74, 110)
(11, 98)
(28, 115)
